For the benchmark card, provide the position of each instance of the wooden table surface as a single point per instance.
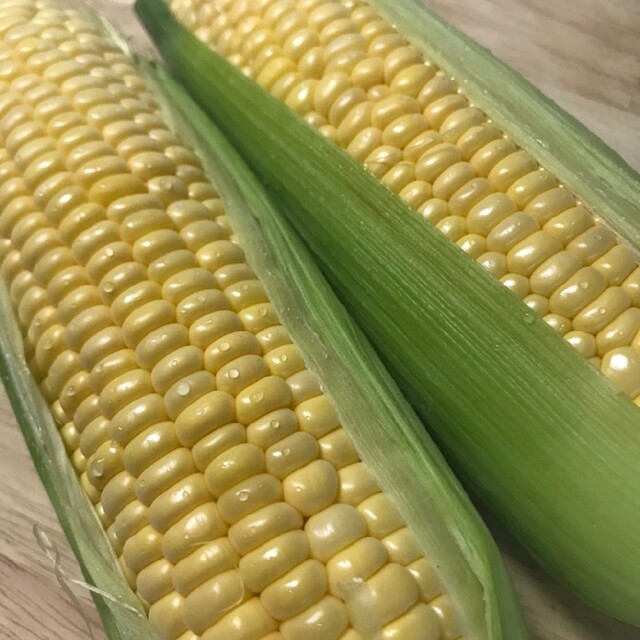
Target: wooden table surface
(585, 54)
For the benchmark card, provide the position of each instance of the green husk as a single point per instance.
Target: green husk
(387, 433)
(122, 616)
(532, 429)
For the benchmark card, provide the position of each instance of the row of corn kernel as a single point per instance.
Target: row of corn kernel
(350, 74)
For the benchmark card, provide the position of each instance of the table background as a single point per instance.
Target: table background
(585, 54)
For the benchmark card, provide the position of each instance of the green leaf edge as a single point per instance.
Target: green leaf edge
(253, 131)
(560, 143)
(122, 616)
(309, 310)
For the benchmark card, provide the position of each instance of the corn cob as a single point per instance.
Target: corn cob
(346, 71)
(519, 413)
(237, 504)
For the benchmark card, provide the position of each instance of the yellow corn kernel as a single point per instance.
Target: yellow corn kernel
(619, 332)
(273, 559)
(357, 562)
(311, 488)
(327, 618)
(298, 589)
(420, 617)
(254, 530)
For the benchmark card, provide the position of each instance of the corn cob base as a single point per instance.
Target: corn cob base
(350, 74)
(236, 502)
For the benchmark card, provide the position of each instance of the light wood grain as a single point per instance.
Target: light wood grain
(33, 606)
(585, 54)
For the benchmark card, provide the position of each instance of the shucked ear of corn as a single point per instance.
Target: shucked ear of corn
(241, 502)
(529, 423)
